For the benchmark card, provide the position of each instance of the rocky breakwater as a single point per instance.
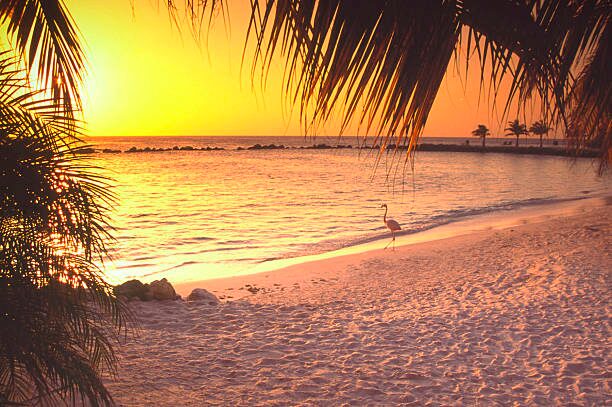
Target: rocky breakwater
(175, 148)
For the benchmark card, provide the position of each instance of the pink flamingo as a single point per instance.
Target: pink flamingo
(392, 225)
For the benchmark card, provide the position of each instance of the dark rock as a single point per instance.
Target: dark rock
(131, 289)
(200, 294)
(162, 290)
(148, 294)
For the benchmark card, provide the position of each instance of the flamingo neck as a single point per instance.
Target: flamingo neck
(385, 215)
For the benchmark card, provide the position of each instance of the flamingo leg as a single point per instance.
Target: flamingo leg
(388, 244)
(392, 240)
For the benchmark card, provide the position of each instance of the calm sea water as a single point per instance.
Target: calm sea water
(193, 215)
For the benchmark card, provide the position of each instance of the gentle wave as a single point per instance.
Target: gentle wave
(432, 222)
(217, 215)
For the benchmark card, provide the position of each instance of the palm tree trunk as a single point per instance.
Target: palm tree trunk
(517, 136)
(483, 141)
(541, 136)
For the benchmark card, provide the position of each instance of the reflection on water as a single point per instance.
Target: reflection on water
(197, 215)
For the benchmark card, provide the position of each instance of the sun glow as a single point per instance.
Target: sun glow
(147, 77)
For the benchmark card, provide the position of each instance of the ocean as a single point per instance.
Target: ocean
(197, 215)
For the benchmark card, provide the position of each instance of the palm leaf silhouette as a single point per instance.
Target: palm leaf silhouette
(59, 317)
(46, 39)
(380, 64)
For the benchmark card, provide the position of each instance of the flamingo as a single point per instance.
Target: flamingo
(392, 225)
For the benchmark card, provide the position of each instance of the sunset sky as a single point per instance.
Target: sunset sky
(147, 78)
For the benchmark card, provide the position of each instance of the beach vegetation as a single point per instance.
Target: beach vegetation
(481, 131)
(541, 129)
(516, 129)
(59, 319)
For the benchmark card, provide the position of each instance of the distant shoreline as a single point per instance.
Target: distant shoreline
(532, 150)
(460, 148)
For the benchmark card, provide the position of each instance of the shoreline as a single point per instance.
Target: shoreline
(517, 315)
(479, 223)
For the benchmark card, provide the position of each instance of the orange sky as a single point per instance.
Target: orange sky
(146, 78)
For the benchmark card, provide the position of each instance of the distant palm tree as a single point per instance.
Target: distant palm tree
(58, 317)
(482, 131)
(516, 129)
(358, 57)
(540, 128)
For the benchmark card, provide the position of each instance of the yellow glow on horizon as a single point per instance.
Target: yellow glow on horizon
(147, 78)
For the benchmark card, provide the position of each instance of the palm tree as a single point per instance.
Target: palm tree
(516, 129)
(482, 131)
(381, 63)
(58, 317)
(540, 128)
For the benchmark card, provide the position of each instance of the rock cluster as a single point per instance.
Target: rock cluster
(264, 147)
(135, 290)
(156, 290)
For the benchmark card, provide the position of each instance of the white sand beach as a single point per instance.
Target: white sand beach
(513, 316)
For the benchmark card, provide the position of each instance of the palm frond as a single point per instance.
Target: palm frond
(375, 62)
(381, 63)
(46, 38)
(590, 121)
(59, 317)
(481, 131)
